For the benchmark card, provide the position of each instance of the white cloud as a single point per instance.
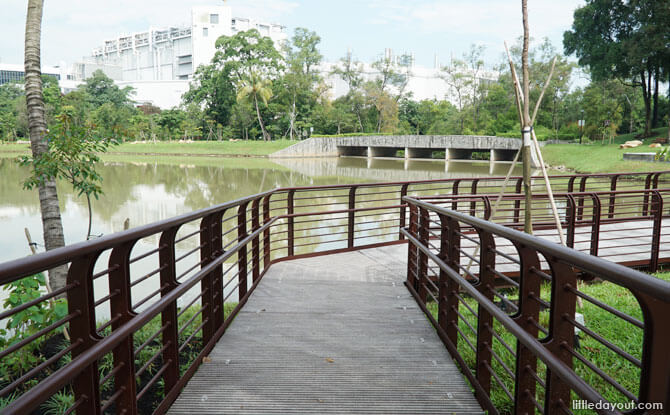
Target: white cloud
(495, 18)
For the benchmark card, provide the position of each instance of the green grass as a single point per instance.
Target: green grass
(619, 332)
(218, 148)
(599, 158)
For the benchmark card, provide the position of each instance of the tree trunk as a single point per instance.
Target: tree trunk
(266, 136)
(646, 95)
(51, 219)
(654, 117)
(526, 150)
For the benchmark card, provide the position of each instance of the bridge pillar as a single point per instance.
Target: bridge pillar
(352, 151)
(382, 151)
(502, 155)
(418, 153)
(459, 154)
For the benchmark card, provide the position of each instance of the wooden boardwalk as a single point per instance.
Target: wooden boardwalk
(337, 334)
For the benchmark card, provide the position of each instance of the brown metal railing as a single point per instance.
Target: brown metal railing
(146, 306)
(517, 345)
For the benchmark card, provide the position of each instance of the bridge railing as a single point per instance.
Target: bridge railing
(141, 309)
(517, 344)
(607, 224)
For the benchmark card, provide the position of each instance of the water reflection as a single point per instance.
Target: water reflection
(147, 190)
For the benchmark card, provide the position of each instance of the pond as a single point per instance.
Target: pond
(148, 189)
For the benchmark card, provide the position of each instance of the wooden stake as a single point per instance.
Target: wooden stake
(33, 249)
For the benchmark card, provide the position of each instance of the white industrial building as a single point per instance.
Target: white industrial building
(174, 53)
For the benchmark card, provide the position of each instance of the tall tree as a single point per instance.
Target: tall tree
(252, 89)
(236, 59)
(51, 218)
(351, 71)
(300, 78)
(623, 39)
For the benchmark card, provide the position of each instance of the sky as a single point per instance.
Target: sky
(72, 28)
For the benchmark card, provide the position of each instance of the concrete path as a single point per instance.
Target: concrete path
(337, 334)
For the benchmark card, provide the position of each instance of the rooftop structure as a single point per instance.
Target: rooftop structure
(175, 52)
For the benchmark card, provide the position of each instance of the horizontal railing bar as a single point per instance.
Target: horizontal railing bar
(32, 398)
(16, 346)
(610, 271)
(34, 371)
(36, 301)
(538, 349)
(13, 270)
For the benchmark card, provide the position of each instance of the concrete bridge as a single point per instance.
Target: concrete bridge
(455, 147)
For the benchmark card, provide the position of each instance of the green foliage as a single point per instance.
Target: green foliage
(72, 156)
(27, 322)
(58, 404)
(623, 40)
(100, 89)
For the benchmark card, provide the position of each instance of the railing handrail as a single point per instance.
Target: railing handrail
(452, 179)
(31, 399)
(85, 254)
(13, 270)
(613, 272)
(585, 390)
(546, 195)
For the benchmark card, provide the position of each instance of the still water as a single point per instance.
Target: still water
(146, 190)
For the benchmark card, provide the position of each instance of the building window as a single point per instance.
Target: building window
(214, 18)
(205, 31)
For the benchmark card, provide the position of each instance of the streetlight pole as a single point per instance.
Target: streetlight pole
(581, 127)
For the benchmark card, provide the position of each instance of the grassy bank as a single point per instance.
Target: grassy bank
(199, 148)
(621, 333)
(598, 158)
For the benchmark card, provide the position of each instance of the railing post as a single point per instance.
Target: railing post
(291, 222)
(612, 202)
(647, 186)
(168, 281)
(450, 247)
(473, 191)
(595, 226)
(424, 224)
(242, 253)
(657, 211)
(255, 243)
(561, 333)
(571, 184)
(211, 284)
(486, 286)
(570, 218)
(655, 381)
(529, 312)
(86, 385)
(580, 203)
(454, 192)
(412, 266)
(517, 203)
(487, 208)
(352, 217)
(403, 209)
(266, 233)
(121, 309)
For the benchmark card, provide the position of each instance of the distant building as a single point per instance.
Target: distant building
(16, 73)
(174, 53)
(424, 82)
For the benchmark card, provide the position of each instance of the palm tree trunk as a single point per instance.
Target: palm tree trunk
(51, 219)
(260, 120)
